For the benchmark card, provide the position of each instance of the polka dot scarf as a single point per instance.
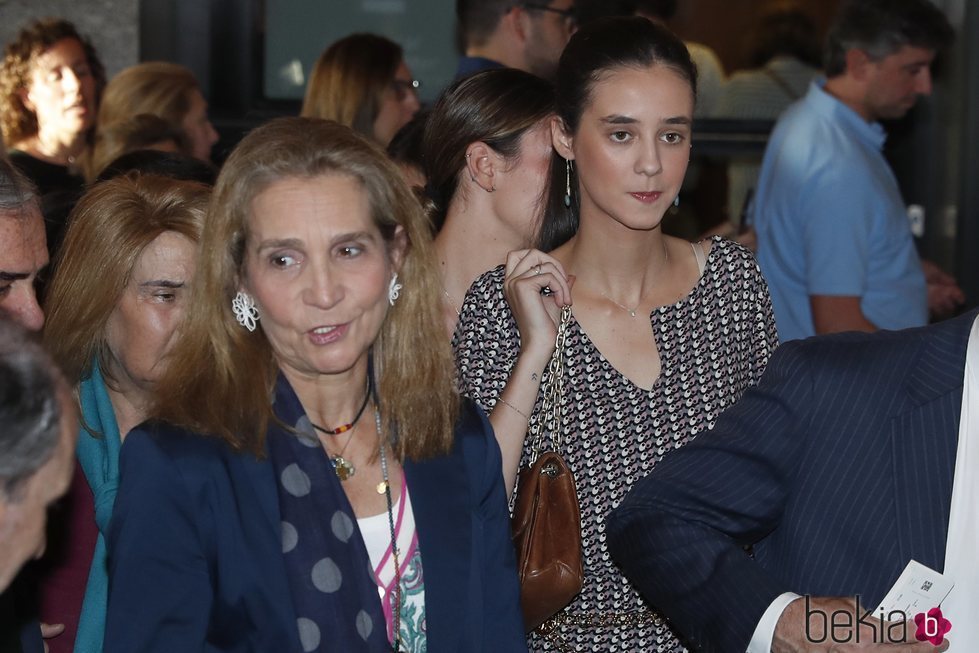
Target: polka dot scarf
(330, 575)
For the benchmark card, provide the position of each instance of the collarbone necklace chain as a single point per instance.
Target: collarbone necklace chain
(451, 302)
(632, 311)
(343, 467)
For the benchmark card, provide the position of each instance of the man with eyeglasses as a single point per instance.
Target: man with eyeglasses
(529, 36)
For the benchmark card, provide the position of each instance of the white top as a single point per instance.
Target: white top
(376, 531)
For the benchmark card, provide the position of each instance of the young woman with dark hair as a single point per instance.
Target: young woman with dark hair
(663, 334)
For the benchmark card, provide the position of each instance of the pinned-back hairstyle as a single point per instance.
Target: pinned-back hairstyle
(496, 107)
(881, 28)
(109, 229)
(349, 80)
(221, 376)
(17, 122)
(595, 51)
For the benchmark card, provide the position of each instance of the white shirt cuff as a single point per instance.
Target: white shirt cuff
(761, 640)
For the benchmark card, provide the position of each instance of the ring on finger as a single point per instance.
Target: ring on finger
(537, 269)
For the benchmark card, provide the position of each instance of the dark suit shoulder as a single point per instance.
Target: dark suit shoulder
(932, 355)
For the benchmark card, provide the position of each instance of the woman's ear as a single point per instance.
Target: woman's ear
(562, 140)
(25, 98)
(481, 165)
(398, 248)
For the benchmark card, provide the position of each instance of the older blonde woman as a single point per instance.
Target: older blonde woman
(159, 88)
(113, 307)
(314, 481)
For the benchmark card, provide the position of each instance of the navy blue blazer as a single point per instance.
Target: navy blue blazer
(837, 468)
(196, 555)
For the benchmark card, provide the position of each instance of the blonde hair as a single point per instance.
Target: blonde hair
(157, 88)
(108, 230)
(349, 80)
(221, 377)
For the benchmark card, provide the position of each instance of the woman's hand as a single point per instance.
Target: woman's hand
(536, 287)
(537, 312)
(50, 630)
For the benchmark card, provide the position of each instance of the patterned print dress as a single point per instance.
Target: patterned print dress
(713, 344)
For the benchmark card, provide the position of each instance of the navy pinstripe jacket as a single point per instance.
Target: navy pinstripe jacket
(837, 468)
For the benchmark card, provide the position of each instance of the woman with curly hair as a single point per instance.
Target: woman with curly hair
(50, 83)
(51, 80)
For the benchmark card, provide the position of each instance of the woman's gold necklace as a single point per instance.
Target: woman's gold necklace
(632, 311)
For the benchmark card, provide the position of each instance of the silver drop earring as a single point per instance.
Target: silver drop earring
(244, 309)
(676, 201)
(567, 184)
(394, 289)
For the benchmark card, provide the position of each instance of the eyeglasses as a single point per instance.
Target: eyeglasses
(402, 87)
(568, 14)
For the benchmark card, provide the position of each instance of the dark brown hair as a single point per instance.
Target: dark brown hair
(594, 51)
(496, 107)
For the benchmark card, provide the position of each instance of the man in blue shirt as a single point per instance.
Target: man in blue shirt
(529, 36)
(834, 241)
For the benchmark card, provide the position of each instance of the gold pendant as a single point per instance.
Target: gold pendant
(382, 487)
(343, 468)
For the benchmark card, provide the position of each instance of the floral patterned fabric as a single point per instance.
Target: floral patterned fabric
(377, 537)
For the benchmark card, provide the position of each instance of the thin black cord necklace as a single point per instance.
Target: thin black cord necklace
(343, 428)
(341, 465)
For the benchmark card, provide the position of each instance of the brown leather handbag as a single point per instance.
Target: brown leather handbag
(546, 517)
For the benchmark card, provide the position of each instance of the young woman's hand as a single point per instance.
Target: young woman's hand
(536, 287)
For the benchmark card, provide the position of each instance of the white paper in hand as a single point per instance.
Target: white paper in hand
(918, 589)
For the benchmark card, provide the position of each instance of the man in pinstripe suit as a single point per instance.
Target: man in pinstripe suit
(837, 469)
